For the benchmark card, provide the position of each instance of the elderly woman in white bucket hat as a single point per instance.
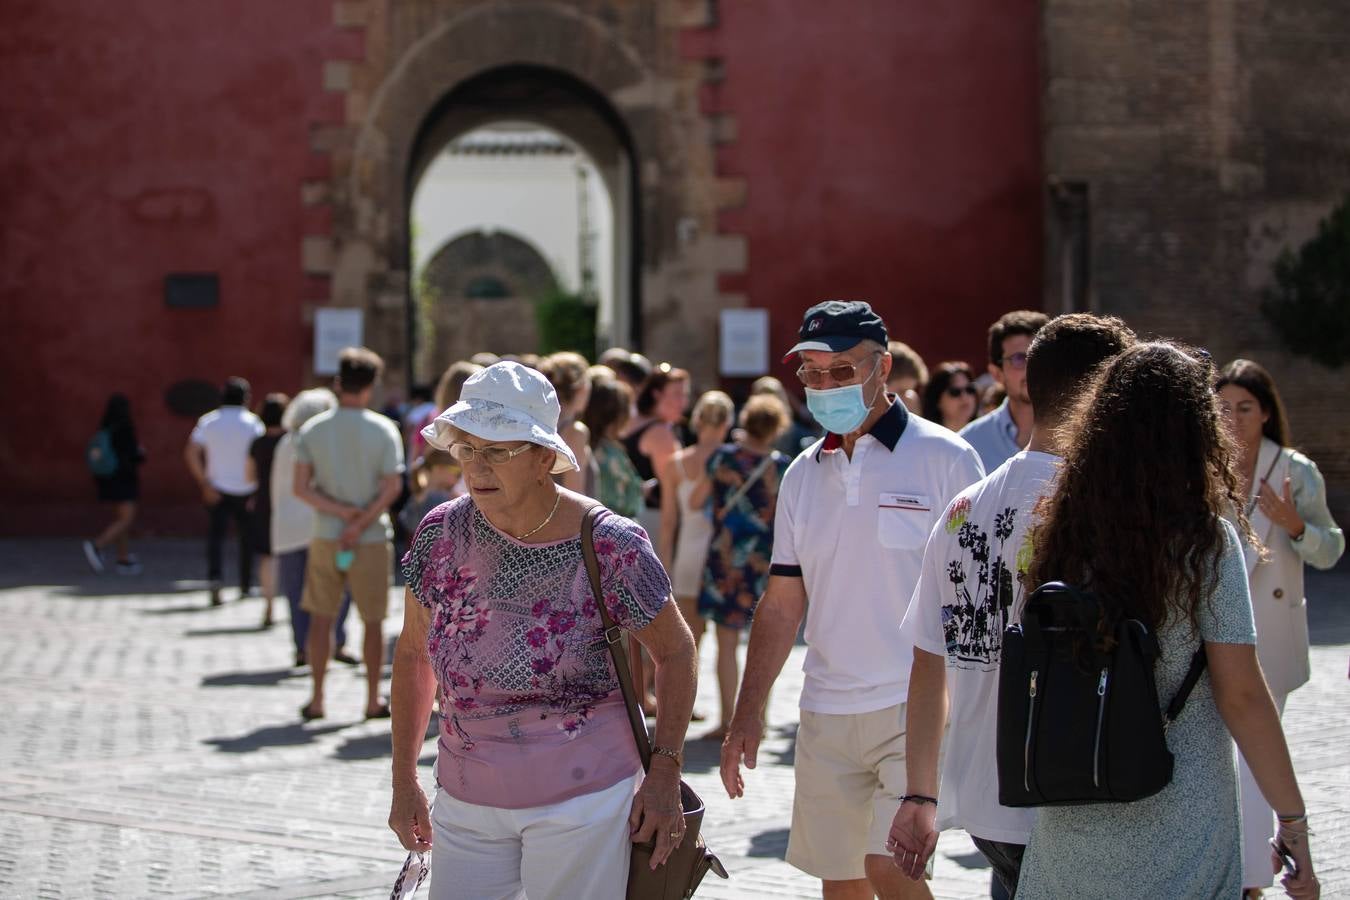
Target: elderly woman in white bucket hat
(540, 789)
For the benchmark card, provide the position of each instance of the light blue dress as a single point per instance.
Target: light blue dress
(1185, 840)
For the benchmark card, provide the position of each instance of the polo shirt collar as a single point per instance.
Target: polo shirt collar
(1003, 415)
(887, 430)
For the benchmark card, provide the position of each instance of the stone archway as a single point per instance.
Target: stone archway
(560, 103)
(481, 290)
(631, 61)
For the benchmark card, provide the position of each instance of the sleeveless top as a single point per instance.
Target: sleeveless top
(643, 463)
(691, 546)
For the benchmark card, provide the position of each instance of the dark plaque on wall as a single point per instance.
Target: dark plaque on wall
(191, 397)
(192, 290)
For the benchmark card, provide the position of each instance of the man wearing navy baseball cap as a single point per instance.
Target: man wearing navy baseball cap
(854, 513)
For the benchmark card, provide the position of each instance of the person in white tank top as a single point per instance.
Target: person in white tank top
(686, 530)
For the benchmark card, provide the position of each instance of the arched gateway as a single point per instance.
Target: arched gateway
(586, 79)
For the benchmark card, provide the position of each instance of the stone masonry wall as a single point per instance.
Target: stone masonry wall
(1210, 136)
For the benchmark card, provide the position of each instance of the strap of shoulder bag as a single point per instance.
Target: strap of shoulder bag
(1198, 663)
(755, 475)
(614, 639)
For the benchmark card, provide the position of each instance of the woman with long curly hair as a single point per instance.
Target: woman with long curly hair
(1137, 516)
(1285, 496)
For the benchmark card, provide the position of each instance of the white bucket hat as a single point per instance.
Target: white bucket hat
(505, 402)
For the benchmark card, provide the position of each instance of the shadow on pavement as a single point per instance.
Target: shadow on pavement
(702, 756)
(105, 586)
(198, 607)
(788, 755)
(293, 735)
(265, 678)
(376, 746)
(1329, 605)
(769, 844)
(371, 746)
(224, 631)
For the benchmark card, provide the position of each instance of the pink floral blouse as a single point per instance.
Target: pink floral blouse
(531, 712)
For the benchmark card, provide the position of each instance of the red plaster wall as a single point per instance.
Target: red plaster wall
(890, 149)
(142, 138)
(892, 152)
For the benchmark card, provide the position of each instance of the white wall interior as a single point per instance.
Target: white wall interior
(526, 180)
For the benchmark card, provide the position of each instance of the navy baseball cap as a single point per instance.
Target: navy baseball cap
(837, 325)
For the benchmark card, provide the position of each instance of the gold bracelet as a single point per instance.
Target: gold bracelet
(658, 750)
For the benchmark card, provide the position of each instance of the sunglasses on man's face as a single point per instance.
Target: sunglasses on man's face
(957, 392)
(1015, 360)
(839, 373)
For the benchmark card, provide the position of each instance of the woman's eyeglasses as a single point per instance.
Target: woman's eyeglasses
(494, 454)
(839, 373)
(957, 392)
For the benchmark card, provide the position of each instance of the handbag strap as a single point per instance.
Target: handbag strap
(614, 639)
(755, 475)
(1198, 662)
(1256, 485)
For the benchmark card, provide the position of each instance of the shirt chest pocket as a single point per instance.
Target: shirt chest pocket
(904, 519)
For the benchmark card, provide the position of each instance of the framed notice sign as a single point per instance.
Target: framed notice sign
(334, 331)
(744, 343)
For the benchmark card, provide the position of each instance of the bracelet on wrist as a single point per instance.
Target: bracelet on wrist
(677, 756)
(918, 798)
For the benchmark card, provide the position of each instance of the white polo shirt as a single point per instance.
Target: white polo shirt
(227, 433)
(854, 531)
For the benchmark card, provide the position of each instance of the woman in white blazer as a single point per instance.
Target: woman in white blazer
(1288, 512)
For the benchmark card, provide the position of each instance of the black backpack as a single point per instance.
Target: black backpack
(1077, 725)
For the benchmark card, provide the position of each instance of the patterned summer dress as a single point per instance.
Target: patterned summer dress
(738, 556)
(1182, 841)
(619, 484)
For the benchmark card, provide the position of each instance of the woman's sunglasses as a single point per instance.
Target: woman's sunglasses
(956, 392)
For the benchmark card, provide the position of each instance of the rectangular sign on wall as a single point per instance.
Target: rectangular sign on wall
(334, 331)
(192, 290)
(744, 348)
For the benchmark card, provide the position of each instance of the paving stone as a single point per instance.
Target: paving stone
(151, 747)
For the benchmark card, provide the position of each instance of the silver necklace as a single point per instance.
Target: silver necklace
(557, 499)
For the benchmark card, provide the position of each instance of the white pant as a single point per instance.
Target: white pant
(574, 849)
(1258, 823)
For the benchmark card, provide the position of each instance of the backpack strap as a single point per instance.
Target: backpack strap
(1198, 662)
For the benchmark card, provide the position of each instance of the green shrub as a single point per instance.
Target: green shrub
(1309, 304)
(566, 322)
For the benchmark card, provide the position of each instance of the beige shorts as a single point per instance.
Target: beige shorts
(850, 772)
(368, 578)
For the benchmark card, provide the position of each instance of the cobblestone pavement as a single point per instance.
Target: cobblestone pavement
(150, 746)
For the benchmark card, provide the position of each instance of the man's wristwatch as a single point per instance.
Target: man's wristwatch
(658, 750)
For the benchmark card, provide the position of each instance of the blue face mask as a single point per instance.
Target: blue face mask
(840, 410)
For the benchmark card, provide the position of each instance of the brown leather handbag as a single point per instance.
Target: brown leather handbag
(685, 867)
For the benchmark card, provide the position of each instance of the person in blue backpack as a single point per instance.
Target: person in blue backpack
(114, 458)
